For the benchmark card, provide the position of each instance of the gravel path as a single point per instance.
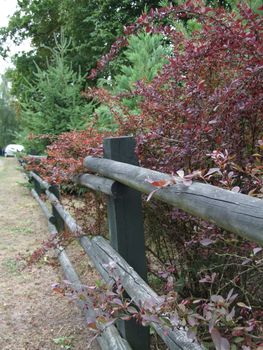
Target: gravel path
(32, 316)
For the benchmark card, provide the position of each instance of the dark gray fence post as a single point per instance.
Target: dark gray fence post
(58, 221)
(37, 187)
(126, 230)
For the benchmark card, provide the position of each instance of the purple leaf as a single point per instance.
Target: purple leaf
(231, 297)
(180, 173)
(191, 333)
(231, 315)
(187, 182)
(192, 321)
(206, 241)
(219, 342)
(117, 301)
(256, 250)
(206, 279)
(110, 294)
(213, 171)
(174, 320)
(246, 261)
(216, 298)
(235, 189)
(151, 194)
(132, 310)
(229, 294)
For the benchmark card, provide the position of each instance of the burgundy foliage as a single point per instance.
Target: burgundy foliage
(202, 112)
(66, 154)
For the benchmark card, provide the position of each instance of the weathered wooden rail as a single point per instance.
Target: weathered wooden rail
(110, 337)
(232, 211)
(122, 182)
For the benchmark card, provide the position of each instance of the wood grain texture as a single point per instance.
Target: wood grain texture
(104, 257)
(110, 337)
(64, 215)
(96, 183)
(110, 263)
(234, 212)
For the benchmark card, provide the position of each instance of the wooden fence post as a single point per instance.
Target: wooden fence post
(125, 220)
(37, 186)
(58, 221)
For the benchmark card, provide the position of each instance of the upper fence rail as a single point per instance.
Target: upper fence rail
(234, 212)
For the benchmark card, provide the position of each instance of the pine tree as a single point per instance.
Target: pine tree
(144, 57)
(54, 103)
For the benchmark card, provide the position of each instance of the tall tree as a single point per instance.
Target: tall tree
(53, 103)
(93, 26)
(37, 21)
(8, 121)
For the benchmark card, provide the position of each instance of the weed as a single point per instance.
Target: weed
(20, 230)
(64, 342)
(11, 265)
(27, 185)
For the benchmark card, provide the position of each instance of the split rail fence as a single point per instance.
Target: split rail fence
(123, 181)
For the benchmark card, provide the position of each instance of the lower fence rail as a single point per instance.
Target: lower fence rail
(110, 337)
(103, 256)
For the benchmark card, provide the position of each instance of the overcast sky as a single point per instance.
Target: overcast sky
(7, 8)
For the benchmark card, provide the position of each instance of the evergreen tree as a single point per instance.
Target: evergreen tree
(93, 26)
(8, 121)
(144, 57)
(53, 102)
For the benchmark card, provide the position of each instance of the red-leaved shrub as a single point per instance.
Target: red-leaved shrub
(202, 111)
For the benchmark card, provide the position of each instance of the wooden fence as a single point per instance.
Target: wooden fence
(122, 182)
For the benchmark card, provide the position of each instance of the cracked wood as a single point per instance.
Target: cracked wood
(231, 211)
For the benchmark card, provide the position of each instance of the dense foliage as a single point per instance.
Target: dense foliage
(194, 103)
(8, 120)
(208, 97)
(92, 25)
(145, 55)
(202, 111)
(52, 102)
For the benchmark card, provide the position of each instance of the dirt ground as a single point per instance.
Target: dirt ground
(32, 316)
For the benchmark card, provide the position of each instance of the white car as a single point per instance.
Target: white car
(11, 150)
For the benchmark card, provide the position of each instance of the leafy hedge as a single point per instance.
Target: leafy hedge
(202, 111)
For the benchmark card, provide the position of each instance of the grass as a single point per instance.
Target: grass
(24, 184)
(2, 173)
(21, 230)
(64, 342)
(11, 265)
